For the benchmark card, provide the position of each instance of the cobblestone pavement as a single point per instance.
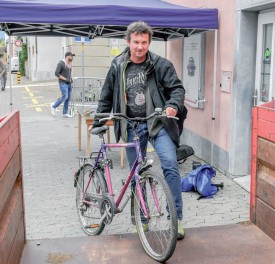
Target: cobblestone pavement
(49, 150)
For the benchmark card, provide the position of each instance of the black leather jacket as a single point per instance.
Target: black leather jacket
(164, 87)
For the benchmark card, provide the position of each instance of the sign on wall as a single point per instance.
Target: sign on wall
(82, 39)
(193, 70)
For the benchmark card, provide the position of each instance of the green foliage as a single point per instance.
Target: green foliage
(23, 56)
(2, 43)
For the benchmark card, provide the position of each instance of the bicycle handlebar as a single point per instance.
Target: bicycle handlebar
(116, 116)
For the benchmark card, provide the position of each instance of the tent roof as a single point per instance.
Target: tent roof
(104, 18)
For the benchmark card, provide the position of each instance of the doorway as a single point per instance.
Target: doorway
(265, 70)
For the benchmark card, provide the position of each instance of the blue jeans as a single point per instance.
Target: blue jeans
(166, 150)
(66, 90)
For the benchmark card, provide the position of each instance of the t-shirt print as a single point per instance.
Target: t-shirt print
(136, 89)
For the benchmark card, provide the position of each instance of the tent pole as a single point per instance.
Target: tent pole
(10, 72)
(165, 49)
(214, 96)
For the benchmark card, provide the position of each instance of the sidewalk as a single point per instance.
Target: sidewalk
(49, 150)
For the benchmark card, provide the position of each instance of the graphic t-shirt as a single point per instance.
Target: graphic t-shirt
(136, 90)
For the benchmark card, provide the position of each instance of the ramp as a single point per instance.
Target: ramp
(241, 243)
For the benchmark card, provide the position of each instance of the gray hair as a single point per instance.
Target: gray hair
(139, 27)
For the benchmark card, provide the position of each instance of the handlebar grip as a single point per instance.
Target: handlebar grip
(102, 115)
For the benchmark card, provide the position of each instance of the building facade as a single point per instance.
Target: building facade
(242, 70)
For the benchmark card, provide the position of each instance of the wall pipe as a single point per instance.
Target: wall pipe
(214, 96)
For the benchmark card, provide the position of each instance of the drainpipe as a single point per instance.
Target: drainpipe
(214, 96)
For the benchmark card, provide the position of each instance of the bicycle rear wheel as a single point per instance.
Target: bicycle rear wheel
(89, 214)
(160, 241)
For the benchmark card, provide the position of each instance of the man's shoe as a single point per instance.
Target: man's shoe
(145, 228)
(180, 235)
(52, 109)
(67, 115)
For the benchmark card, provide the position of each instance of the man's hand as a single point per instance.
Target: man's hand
(170, 111)
(90, 127)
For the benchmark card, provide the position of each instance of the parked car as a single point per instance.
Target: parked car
(14, 64)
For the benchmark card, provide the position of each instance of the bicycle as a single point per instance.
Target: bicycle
(152, 202)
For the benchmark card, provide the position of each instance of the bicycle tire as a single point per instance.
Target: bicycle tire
(89, 215)
(161, 239)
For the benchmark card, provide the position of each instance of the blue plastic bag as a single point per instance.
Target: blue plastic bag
(199, 180)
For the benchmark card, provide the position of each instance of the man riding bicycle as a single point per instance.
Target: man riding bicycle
(3, 74)
(139, 81)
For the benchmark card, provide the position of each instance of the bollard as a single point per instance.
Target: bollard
(18, 77)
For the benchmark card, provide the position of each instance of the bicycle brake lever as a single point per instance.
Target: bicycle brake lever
(173, 117)
(103, 120)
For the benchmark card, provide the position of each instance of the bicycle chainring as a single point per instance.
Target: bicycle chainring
(108, 206)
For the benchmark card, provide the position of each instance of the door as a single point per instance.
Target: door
(265, 71)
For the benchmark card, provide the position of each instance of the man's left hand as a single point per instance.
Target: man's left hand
(170, 111)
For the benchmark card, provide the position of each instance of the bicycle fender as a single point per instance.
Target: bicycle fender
(76, 174)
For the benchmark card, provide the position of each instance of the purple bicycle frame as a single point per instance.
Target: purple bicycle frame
(133, 172)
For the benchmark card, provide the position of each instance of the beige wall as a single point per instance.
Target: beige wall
(98, 57)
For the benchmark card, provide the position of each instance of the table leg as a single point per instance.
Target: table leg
(79, 131)
(122, 158)
(88, 148)
(108, 136)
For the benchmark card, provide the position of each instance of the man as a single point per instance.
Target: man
(139, 81)
(3, 74)
(64, 74)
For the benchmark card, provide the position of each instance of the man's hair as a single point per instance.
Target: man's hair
(139, 27)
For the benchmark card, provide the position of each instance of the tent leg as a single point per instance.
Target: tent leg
(214, 96)
(10, 47)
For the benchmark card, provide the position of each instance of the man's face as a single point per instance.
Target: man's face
(70, 58)
(139, 45)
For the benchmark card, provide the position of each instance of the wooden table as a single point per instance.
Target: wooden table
(89, 120)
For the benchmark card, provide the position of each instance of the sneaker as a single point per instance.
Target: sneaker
(180, 230)
(67, 115)
(145, 228)
(52, 109)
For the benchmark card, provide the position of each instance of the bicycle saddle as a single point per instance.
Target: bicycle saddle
(99, 130)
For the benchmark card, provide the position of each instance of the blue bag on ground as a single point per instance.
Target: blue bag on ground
(199, 180)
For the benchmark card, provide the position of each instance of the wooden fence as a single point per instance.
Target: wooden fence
(262, 200)
(12, 221)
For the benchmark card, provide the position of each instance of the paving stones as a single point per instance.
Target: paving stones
(49, 152)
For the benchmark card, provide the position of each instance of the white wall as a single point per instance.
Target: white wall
(43, 55)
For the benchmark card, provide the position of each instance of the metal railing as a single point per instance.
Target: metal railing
(85, 92)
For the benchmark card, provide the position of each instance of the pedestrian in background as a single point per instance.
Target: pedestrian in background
(138, 81)
(64, 74)
(3, 74)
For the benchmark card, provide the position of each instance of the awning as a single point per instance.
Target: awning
(102, 18)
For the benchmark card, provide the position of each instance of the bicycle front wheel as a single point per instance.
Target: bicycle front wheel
(158, 232)
(87, 207)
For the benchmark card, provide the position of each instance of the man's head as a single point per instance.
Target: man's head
(138, 37)
(69, 56)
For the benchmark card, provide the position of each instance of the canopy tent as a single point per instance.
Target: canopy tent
(107, 19)
(102, 18)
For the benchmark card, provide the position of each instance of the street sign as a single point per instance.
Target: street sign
(17, 48)
(82, 40)
(18, 43)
